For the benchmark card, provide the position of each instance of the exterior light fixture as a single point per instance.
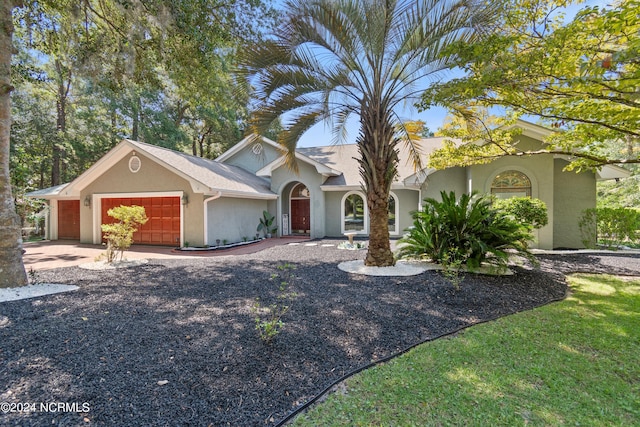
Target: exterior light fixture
(87, 201)
(185, 199)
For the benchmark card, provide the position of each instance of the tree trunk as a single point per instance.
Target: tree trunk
(135, 127)
(64, 83)
(379, 253)
(12, 273)
(378, 168)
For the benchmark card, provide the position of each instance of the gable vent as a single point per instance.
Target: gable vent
(134, 163)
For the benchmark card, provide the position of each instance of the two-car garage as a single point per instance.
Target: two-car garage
(163, 226)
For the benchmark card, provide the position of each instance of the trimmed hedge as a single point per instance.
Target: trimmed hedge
(610, 227)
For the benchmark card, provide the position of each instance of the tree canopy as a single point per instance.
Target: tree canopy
(87, 73)
(330, 60)
(579, 78)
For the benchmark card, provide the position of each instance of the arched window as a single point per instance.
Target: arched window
(300, 191)
(393, 214)
(354, 213)
(511, 183)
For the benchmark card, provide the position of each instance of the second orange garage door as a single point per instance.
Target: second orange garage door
(163, 227)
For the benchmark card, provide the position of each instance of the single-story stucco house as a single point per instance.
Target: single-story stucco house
(191, 201)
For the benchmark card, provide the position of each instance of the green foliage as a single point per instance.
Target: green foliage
(266, 224)
(467, 231)
(610, 227)
(452, 265)
(624, 193)
(268, 320)
(571, 363)
(330, 61)
(578, 77)
(528, 211)
(89, 73)
(119, 235)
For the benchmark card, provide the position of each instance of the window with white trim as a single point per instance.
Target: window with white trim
(394, 206)
(354, 212)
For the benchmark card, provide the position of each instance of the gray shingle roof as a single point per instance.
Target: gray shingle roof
(47, 192)
(215, 175)
(343, 158)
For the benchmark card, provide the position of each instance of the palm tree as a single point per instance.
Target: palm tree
(331, 59)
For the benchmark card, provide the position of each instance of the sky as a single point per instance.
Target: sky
(320, 134)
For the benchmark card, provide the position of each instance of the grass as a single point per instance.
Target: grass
(575, 362)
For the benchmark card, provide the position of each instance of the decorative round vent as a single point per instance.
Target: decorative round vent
(134, 164)
(257, 148)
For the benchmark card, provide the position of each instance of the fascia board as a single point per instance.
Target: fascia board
(243, 195)
(394, 186)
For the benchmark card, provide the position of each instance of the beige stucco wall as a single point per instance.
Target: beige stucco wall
(309, 176)
(152, 180)
(574, 193)
(539, 169)
(232, 219)
(453, 179)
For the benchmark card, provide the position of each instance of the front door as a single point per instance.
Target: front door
(300, 216)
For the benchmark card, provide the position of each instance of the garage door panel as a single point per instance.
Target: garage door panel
(163, 226)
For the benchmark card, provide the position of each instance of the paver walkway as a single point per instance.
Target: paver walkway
(53, 254)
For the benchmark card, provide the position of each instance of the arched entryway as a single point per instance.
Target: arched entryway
(300, 209)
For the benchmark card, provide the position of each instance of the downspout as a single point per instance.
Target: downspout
(206, 217)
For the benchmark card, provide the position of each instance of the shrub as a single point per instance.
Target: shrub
(609, 226)
(531, 212)
(466, 231)
(268, 320)
(266, 224)
(119, 235)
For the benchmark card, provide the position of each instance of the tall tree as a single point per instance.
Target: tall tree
(331, 59)
(580, 78)
(12, 273)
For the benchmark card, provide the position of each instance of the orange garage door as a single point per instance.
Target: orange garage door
(69, 219)
(163, 227)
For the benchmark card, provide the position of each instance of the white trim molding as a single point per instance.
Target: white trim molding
(96, 203)
(396, 230)
(365, 219)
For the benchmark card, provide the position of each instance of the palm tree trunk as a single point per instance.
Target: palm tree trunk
(378, 168)
(379, 253)
(12, 273)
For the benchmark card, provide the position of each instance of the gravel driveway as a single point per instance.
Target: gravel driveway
(173, 342)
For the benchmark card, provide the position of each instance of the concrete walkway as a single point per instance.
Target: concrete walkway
(54, 254)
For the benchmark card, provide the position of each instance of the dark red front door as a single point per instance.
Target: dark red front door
(300, 216)
(69, 219)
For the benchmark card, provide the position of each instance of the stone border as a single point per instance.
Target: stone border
(33, 291)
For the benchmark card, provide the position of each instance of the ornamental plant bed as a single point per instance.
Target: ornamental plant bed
(173, 342)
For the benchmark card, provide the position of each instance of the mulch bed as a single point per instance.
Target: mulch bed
(189, 323)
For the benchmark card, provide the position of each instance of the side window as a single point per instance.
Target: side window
(511, 183)
(354, 213)
(393, 214)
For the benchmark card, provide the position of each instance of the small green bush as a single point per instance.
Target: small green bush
(119, 235)
(466, 231)
(531, 212)
(266, 224)
(268, 320)
(610, 227)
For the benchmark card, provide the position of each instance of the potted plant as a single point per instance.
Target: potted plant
(266, 224)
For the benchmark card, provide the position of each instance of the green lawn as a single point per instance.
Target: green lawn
(576, 362)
